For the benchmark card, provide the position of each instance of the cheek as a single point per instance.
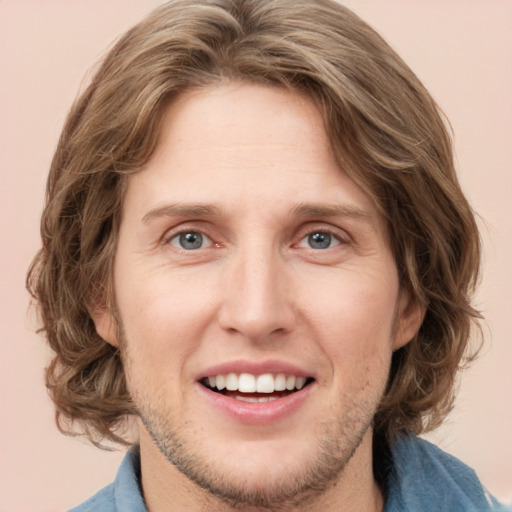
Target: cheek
(353, 316)
(162, 315)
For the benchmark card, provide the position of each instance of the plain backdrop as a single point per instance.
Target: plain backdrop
(461, 49)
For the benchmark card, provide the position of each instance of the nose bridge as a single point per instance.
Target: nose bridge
(256, 301)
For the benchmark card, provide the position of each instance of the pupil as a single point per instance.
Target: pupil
(319, 240)
(191, 240)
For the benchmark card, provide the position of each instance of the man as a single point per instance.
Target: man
(255, 243)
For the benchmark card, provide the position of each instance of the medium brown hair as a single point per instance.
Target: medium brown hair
(385, 129)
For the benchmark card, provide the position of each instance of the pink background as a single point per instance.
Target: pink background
(461, 49)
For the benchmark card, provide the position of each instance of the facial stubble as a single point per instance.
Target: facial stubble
(336, 442)
(335, 447)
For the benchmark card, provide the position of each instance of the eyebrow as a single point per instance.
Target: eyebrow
(182, 210)
(322, 211)
(305, 210)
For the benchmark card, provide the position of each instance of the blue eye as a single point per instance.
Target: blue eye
(189, 240)
(319, 240)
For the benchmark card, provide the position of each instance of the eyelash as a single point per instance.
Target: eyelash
(169, 239)
(335, 234)
(331, 232)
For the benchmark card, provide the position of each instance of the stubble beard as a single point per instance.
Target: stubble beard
(336, 443)
(318, 471)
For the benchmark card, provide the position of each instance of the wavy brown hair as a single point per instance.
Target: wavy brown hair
(384, 127)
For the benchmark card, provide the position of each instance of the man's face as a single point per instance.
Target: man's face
(248, 260)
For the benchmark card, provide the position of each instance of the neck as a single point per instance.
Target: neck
(355, 488)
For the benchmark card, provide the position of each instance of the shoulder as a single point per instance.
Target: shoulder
(424, 477)
(102, 501)
(124, 494)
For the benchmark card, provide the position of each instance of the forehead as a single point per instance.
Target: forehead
(244, 120)
(239, 145)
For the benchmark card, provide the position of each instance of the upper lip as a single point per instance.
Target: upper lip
(254, 368)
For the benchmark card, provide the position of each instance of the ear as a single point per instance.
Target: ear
(105, 325)
(410, 315)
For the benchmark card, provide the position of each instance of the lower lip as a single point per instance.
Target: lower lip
(261, 413)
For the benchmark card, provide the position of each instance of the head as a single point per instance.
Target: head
(385, 134)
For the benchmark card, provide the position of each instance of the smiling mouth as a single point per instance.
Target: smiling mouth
(256, 388)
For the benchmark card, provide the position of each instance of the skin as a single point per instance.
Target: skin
(255, 290)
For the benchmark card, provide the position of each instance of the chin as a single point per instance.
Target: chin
(274, 473)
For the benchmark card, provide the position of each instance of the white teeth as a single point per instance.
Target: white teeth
(248, 383)
(265, 383)
(220, 382)
(299, 382)
(280, 383)
(290, 382)
(254, 400)
(249, 399)
(232, 382)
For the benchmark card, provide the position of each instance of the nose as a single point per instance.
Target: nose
(257, 296)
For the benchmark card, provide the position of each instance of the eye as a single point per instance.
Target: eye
(190, 240)
(319, 240)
